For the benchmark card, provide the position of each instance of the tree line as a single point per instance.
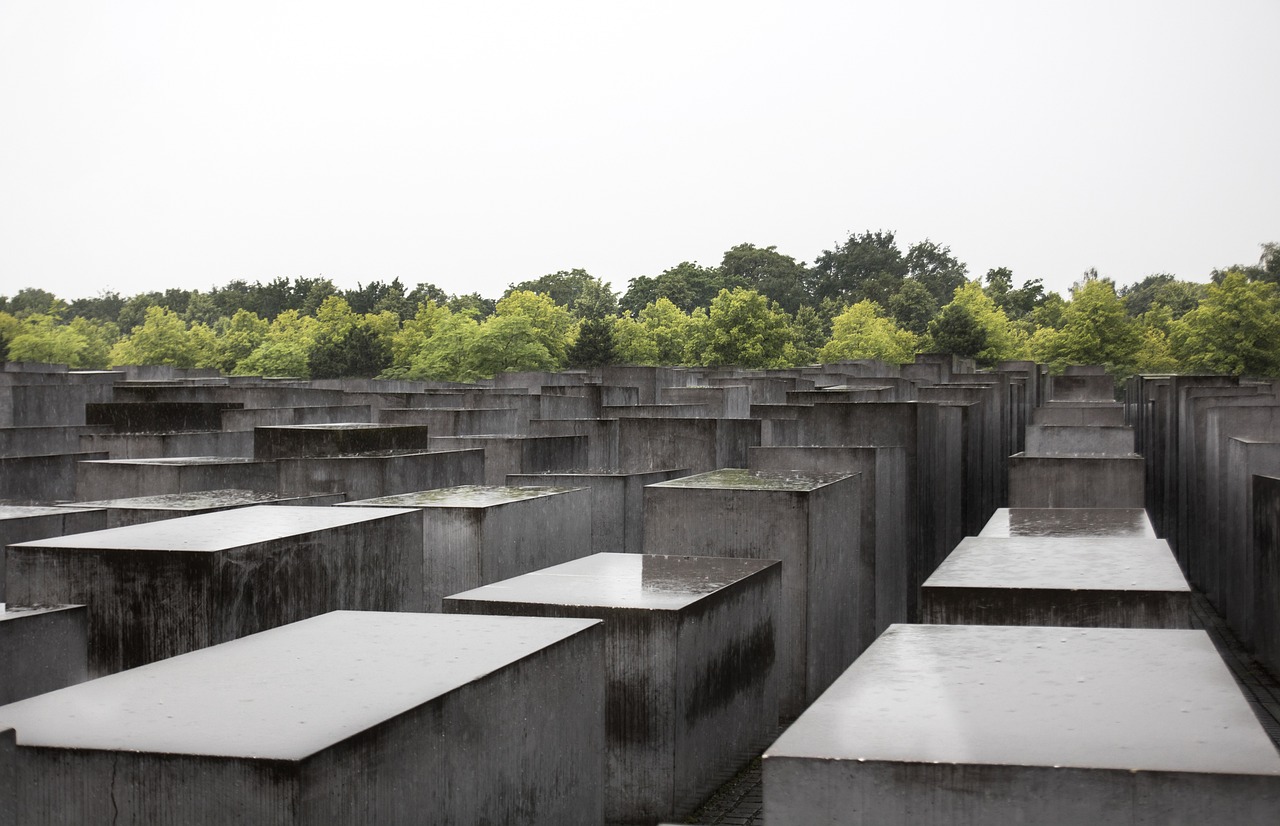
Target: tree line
(759, 308)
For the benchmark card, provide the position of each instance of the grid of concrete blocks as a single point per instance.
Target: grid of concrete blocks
(591, 597)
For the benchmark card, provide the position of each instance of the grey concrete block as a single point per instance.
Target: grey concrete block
(369, 475)
(1266, 551)
(141, 509)
(617, 503)
(42, 649)
(23, 523)
(520, 454)
(699, 444)
(474, 535)
(1075, 481)
(1089, 582)
(1132, 522)
(165, 588)
(50, 478)
(119, 478)
(307, 440)
(365, 718)
(811, 522)
(1079, 440)
(690, 653)
(972, 725)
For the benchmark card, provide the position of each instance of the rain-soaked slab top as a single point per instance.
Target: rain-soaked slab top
(217, 531)
(332, 426)
(1060, 563)
(27, 511)
(286, 693)
(189, 501)
(742, 479)
(613, 580)
(463, 496)
(1105, 698)
(1069, 522)
(179, 461)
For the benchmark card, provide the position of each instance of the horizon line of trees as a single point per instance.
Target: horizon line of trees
(758, 308)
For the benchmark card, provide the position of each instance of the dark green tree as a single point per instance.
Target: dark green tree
(867, 266)
(913, 306)
(937, 269)
(105, 306)
(1181, 297)
(594, 346)
(565, 287)
(956, 331)
(768, 272)
(361, 353)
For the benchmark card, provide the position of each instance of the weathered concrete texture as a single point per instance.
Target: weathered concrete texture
(1080, 414)
(690, 650)
(520, 454)
(1069, 522)
(617, 503)
(365, 718)
(699, 444)
(972, 725)
(1075, 481)
(158, 416)
(1093, 582)
(474, 535)
(306, 440)
(457, 421)
(49, 478)
(42, 649)
(169, 445)
(140, 509)
(1266, 551)
(1235, 568)
(602, 437)
(165, 588)
(1082, 388)
(883, 538)
(22, 524)
(811, 522)
(42, 441)
(369, 475)
(119, 478)
(1079, 440)
(237, 421)
(725, 402)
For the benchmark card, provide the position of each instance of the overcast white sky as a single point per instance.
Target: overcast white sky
(146, 145)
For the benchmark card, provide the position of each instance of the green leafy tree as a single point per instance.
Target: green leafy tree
(865, 267)
(553, 325)
(361, 353)
(105, 306)
(743, 329)
(769, 272)
(34, 301)
(285, 349)
(510, 342)
(1181, 297)
(237, 337)
(9, 328)
(1235, 330)
(913, 306)
(863, 332)
(564, 287)
(687, 285)
(809, 331)
(1155, 350)
(1000, 338)
(594, 345)
(162, 338)
(934, 267)
(956, 331)
(1095, 329)
(659, 334)
(43, 338)
(1018, 304)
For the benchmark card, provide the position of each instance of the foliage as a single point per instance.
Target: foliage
(162, 338)
(594, 346)
(744, 330)
(1001, 339)
(553, 327)
(511, 342)
(564, 287)
(285, 349)
(1235, 330)
(1181, 297)
(956, 331)
(9, 327)
(237, 337)
(769, 272)
(863, 332)
(686, 285)
(436, 344)
(1018, 303)
(658, 334)
(913, 306)
(867, 266)
(935, 268)
(1094, 330)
